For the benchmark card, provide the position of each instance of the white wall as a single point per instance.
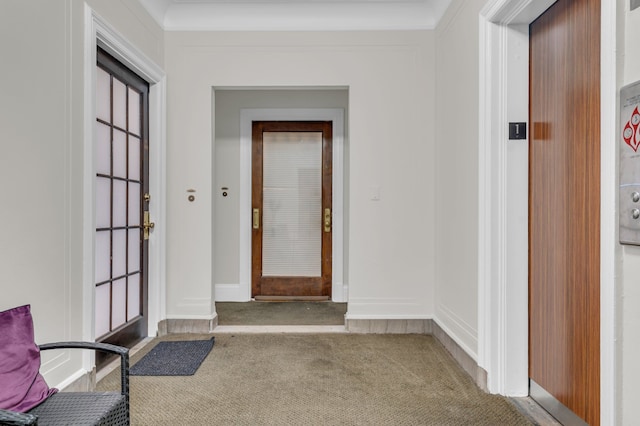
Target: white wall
(226, 217)
(41, 169)
(39, 240)
(456, 308)
(391, 109)
(629, 284)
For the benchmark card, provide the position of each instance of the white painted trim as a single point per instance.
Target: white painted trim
(99, 31)
(69, 259)
(514, 12)
(157, 292)
(458, 330)
(609, 372)
(454, 337)
(70, 380)
(503, 239)
(495, 345)
(247, 116)
(485, 335)
(88, 216)
(500, 325)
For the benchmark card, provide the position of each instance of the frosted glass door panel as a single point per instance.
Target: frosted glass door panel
(134, 204)
(103, 310)
(134, 251)
(292, 209)
(134, 158)
(103, 149)
(119, 253)
(119, 104)
(103, 95)
(103, 202)
(119, 154)
(133, 307)
(103, 256)
(119, 201)
(119, 297)
(134, 112)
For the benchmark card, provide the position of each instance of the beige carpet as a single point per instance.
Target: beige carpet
(328, 379)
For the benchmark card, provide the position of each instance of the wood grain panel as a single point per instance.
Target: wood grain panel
(564, 205)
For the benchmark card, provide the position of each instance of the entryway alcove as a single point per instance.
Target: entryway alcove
(235, 109)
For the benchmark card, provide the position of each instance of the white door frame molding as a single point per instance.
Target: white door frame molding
(242, 292)
(98, 31)
(503, 190)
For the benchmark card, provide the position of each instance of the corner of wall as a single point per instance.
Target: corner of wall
(466, 361)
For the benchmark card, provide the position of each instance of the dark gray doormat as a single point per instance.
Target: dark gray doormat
(181, 358)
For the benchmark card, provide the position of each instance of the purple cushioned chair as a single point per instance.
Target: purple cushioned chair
(26, 399)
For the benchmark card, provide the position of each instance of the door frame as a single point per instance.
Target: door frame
(97, 31)
(503, 191)
(339, 289)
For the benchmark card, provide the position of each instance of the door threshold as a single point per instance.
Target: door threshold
(115, 364)
(554, 407)
(291, 298)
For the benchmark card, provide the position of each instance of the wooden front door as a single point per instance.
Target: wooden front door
(291, 202)
(564, 208)
(122, 179)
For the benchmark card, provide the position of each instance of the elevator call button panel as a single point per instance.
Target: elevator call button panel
(629, 142)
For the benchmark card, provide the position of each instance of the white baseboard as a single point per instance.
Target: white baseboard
(187, 325)
(231, 293)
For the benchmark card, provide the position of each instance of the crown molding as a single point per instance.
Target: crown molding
(298, 15)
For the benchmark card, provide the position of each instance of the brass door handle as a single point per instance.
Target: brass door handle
(327, 220)
(146, 225)
(256, 218)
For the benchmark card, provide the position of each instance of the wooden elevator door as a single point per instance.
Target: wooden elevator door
(564, 206)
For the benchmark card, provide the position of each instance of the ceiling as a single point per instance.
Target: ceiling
(295, 15)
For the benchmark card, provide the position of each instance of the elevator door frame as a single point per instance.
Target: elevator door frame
(502, 304)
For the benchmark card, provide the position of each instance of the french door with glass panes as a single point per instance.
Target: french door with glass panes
(121, 203)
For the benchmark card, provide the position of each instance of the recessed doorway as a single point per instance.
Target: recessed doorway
(235, 111)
